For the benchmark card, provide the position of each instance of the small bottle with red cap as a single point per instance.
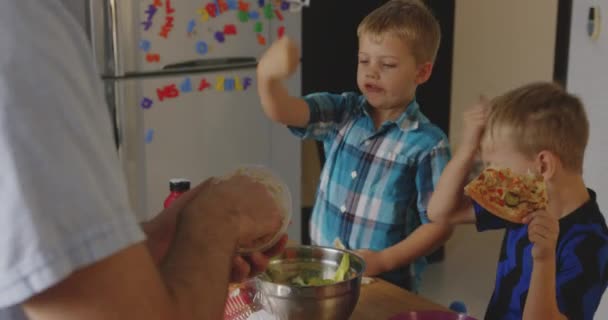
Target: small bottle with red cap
(177, 187)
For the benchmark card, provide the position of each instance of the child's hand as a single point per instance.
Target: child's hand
(475, 119)
(543, 230)
(280, 60)
(375, 263)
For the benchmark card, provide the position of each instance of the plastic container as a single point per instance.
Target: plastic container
(177, 187)
(279, 190)
(240, 304)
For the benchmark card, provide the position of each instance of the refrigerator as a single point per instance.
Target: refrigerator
(586, 76)
(180, 83)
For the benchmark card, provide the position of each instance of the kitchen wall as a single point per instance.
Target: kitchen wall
(499, 45)
(588, 78)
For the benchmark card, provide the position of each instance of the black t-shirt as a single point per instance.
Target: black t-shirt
(581, 257)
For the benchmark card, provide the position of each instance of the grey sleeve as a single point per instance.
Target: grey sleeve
(64, 200)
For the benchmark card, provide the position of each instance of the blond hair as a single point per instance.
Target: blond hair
(409, 20)
(543, 116)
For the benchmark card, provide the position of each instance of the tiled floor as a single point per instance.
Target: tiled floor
(467, 272)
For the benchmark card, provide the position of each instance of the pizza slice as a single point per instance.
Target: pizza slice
(507, 195)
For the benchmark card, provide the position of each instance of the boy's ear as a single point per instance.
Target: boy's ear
(424, 73)
(547, 163)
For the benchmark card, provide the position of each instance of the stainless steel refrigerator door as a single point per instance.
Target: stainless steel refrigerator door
(290, 159)
(122, 97)
(135, 36)
(202, 125)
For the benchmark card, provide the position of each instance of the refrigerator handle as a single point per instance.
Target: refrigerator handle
(114, 35)
(213, 63)
(129, 138)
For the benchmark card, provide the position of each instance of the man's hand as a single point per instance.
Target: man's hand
(161, 232)
(245, 267)
(161, 229)
(375, 262)
(260, 214)
(280, 60)
(543, 231)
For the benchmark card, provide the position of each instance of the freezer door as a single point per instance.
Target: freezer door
(135, 36)
(201, 125)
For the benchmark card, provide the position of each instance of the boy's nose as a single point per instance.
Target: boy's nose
(372, 74)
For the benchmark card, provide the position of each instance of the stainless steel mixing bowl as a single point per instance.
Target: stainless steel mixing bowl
(332, 302)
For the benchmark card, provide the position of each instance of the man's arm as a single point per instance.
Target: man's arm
(277, 64)
(160, 232)
(193, 279)
(123, 286)
(127, 285)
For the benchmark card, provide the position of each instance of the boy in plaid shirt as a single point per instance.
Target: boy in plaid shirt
(383, 154)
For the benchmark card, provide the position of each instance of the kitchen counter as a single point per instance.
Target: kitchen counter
(382, 300)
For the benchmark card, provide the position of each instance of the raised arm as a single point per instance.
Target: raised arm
(448, 203)
(276, 65)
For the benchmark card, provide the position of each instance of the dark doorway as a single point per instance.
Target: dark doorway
(562, 42)
(330, 46)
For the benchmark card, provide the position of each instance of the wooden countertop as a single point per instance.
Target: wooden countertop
(381, 300)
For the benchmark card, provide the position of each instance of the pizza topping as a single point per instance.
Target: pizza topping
(511, 196)
(490, 181)
(512, 199)
(501, 176)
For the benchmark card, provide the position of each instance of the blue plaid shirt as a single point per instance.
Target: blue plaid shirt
(373, 177)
